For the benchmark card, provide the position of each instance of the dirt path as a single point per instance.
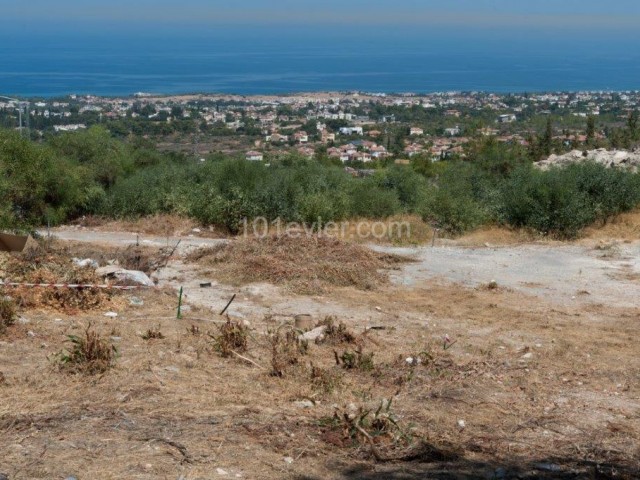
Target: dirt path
(566, 274)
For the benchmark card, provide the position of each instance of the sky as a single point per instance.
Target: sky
(597, 15)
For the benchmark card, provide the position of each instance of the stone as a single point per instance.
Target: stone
(288, 460)
(221, 471)
(111, 314)
(304, 404)
(131, 276)
(316, 334)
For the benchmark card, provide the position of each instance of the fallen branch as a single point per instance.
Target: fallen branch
(247, 360)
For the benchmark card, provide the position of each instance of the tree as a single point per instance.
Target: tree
(591, 129)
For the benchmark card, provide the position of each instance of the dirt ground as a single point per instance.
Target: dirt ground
(528, 368)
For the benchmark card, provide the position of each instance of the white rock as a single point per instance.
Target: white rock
(221, 471)
(313, 335)
(528, 355)
(288, 460)
(461, 424)
(111, 314)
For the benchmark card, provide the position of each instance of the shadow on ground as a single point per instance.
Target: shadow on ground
(555, 469)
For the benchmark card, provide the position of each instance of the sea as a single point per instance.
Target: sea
(54, 62)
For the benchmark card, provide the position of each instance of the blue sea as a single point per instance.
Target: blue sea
(262, 60)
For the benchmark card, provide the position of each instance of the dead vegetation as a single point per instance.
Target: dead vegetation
(153, 333)
(89, 353)
(304, 265)
(231, 338)
(286, 351)
(7, 313)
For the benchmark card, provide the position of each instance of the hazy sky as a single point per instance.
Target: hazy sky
(593, 14)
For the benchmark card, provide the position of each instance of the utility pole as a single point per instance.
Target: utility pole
(21, 104)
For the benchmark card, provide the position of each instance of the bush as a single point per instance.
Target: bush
(7, 313)
(453, 204)
(549, 202)
(368, 200)
(89, 353)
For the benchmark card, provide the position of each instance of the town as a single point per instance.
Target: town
(354, 128)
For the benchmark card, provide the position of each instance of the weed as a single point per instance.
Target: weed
(286, 350)
(194, 330)
(336, 334)
(324, 379)
(355, 360)
(89, 353)
(232, 338)
(153, 334)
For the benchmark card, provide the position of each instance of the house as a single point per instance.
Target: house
(507, 118)
(328, 137)
(351, 131)
(378, 151)
(413, 150)
(301, 137)
(452, 132)
(276, 138)
(416, 131)
(254, 156)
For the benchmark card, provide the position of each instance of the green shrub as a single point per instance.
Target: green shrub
(368, 200)
(548, 202)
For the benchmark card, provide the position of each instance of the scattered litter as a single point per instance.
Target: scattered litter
(461, 424)
(111, 314)
(288, 460)
(303, 322)
(205, 285)
(86, 262)
(138, 302)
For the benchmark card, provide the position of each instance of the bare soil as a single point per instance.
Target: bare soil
(535, 375)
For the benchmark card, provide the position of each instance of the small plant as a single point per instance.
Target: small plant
(232, 338)
(7, 313)
(355, 360)
(325, 379)
(286, 350)
(378, 428)
(194, 330)
(337, 334)
(89, 353)
(153, 334)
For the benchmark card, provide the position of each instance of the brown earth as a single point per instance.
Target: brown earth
(510, 384)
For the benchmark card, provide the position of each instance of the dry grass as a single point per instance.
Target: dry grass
(47, 265)
(160, 225)
(625, 226)
(173, 408)
(304, 265)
